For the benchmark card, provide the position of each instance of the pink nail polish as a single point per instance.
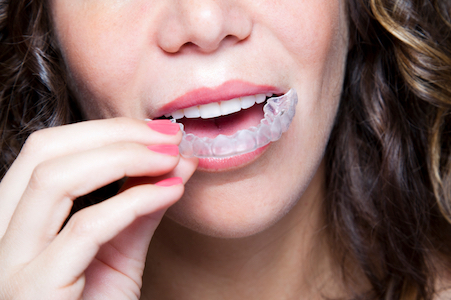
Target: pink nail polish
(170, 181)
(172, 150)
(164, 126)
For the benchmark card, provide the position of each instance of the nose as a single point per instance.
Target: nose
(206, 24)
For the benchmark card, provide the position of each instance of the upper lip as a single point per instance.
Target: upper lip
(226, 91)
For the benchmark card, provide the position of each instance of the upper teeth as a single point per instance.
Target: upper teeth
(216, 109)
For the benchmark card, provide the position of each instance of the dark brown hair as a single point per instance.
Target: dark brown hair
(33, 93)
(389, 167)
(389, 154)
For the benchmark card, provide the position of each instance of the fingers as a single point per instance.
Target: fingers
(184, 169)
(55, 183)
(59, 165)
(64, 261)
(133, 242)
(81, 239)
(74, 138)
(126, 250)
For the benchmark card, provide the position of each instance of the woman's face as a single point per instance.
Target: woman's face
(147, 58)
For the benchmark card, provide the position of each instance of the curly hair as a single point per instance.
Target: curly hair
(389, 156)
(33, 93)
(389, 161)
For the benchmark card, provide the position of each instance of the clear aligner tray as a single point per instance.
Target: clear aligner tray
(278, 114)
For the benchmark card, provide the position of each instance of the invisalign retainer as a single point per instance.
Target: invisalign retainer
(279, 112)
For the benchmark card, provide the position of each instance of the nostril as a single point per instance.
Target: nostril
(203, 28)
(230, 40)
(189, 45)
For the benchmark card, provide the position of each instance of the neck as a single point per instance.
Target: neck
(290, 260)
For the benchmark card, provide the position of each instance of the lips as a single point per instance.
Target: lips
(278, 114)
(226, 109)
(223, 117)
(227, 91)
(224, 123)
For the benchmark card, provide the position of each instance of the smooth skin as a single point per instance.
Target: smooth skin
(132, 58)
(252, 233)
(101, 251)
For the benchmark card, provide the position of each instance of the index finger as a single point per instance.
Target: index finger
(64, 140)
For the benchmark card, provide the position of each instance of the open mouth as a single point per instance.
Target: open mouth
(217, 109)
(234, 127)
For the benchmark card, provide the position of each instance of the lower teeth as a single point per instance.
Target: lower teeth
(279, 112)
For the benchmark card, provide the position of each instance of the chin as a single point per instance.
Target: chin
(225, 224)
(256, 197)
(235, 206)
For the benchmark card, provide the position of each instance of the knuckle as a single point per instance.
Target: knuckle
(36, 145)
(43, 177)
(34, 142)
(79, 225)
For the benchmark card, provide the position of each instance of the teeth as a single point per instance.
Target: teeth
(230, 107)
(211, 110)
(248, 101)
(178, 114)
(279, 112)
(223, 108)
(191, 112)
(260, 99)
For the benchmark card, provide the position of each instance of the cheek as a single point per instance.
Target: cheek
(102, 50)
(307, 29)
(314, 36)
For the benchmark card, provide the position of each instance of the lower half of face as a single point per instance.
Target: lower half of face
(147, 59)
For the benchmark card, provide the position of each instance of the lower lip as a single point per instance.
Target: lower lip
(230, 163)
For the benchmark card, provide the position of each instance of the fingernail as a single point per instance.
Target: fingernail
(165, 149)
(164, 126)
(170, 181)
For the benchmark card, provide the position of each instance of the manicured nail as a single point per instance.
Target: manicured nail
(170, 181)
(165, 149)
(164, 126)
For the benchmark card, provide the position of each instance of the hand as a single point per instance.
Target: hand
(101, 251)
